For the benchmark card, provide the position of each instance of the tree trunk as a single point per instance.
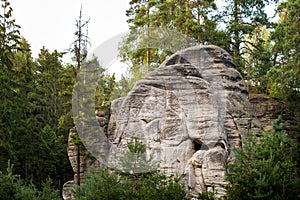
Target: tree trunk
(236, 46)
(186, 21)
(148, 53)
(199, 24)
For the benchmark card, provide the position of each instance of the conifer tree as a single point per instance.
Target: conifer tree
(284, 75)
(241, 17)
(9, 43)
(265, 167)
(79, 48)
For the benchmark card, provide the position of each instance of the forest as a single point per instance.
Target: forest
(36, 96)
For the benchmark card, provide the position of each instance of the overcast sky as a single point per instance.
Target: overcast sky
(51, 23)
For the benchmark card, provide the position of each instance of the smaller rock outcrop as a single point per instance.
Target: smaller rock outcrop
(266, 109)
(86, 160)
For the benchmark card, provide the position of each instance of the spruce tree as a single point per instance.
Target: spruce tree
(265, 167)
(9, 93)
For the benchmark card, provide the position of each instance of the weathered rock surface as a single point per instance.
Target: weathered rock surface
(67, 190)
(191, 112)
(86, 160)
(267, 109)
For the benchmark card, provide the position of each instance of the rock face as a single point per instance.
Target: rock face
(191, 112)
(267, 109)
(86, 160)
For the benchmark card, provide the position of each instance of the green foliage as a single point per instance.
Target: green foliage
(206, 196)
(75, 139)
(119, 184)
(241, 18)
(9, 43)
(48, 193)
(30, 107)
(265, 168)
(9, 35)
(257, 55)
(122, 88)
(285, 72)
(35, 95)
(7, 189)
(135, 161)
(105, 87)
(100, 185)
(38, 143)
(14, 188)
(238, 26)
(187, 19)
(107, 184)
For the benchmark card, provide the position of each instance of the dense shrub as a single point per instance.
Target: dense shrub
(14, 188)
(265, 168)
(107, 184)
(131, 181)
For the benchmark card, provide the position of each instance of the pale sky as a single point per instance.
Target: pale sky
(51, 23)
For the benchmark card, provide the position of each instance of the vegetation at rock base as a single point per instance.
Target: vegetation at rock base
(266, 167)
(134, 178)
(106, 184)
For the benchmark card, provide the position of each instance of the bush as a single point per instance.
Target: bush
(112, 185)
(265, 168)
(14, 188)
(124, 184)
(98, 185)
(48, 192)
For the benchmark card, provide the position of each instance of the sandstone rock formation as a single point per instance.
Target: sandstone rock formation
(267, 109)
(191, 112)
(86, 160)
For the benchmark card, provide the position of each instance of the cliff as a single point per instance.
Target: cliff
(190, 112)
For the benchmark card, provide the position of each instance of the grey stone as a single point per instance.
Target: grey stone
(191, 112)
(67, 190)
